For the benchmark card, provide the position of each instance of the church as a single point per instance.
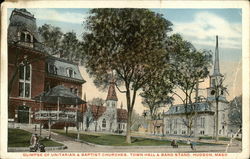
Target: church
(107, 117)
(204, 120)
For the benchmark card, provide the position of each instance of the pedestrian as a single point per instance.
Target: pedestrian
(33, 143)
(192, 144)
(174, 144)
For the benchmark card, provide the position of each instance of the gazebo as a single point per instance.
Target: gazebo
(58, 96)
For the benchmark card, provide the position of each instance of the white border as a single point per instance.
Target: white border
(244, 5)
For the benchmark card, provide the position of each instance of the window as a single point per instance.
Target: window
(52, 69)
(183, 132)
(175, 132)
(104, 123)
(22, 37)
(176, 109)
(213, 82)
(202, 132)
(70, 72)
(175, 123)
(222, 92)
(25, 81)
(76, 91)
(28, 38)
(202, 122)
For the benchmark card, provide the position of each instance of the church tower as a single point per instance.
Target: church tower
(111, 107)
(216, 77)
(214, 90)
(111, 97)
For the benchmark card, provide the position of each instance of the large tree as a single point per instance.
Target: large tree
(51, 36)
(64, 45)
(235, 112)
(130, 44)
(188, 66)
(156, 94)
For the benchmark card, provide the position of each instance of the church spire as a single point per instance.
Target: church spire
(111, 92)
(216, 60)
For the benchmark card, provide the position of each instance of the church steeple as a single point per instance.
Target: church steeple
(111, 92)
(216, 71)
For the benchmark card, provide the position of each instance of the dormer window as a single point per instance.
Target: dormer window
(22, 38)
(25, 38)
(28, 39)
(70, 72)
(52, 69)
(176, 109)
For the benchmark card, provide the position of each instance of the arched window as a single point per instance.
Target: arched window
(25, 81)
(28, 38)
(22, 37)
(104, 123)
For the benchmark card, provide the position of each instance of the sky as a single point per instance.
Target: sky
(199, 26)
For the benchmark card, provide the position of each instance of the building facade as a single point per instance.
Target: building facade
(32, 70)
(107, 117)
(205, 112)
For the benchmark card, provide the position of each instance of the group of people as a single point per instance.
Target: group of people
(174, 144)
(35, 144)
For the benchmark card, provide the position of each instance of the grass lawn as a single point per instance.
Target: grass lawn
(21, 138)
(118, 140)
(220, 138)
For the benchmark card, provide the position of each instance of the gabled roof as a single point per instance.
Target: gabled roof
(61, 67)
(111, 92)
(202, 107)
(97, 111)
(122, 115)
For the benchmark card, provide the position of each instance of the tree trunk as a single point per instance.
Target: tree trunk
(95, 126)
(128, 133)
(217, 120)
(66, 130)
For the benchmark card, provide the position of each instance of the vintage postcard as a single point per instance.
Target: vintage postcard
(125, 79)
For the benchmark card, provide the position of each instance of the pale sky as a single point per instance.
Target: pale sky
(199, 26)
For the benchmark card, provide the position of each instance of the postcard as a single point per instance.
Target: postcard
(125, 79)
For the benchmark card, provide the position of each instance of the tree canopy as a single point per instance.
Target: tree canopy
(187, 66)
(130, 44)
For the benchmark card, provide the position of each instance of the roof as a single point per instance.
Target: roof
(221, 99)
(22, 20)
(111, 92)
(57, 67)
(97, 111)
(122, 115)
(202, 107)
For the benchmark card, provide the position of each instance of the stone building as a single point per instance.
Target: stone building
(204, 118)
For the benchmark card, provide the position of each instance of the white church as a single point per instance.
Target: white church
(107, 117)
(204, 120)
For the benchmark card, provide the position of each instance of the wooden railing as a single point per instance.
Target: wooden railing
(56, 115)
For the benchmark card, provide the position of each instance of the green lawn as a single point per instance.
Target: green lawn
(116, 140)
(21, 138)
(220, 138)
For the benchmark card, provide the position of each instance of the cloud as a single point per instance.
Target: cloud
(205, 26)
(54, 15)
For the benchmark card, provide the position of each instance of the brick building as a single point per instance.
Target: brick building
(32, 70)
